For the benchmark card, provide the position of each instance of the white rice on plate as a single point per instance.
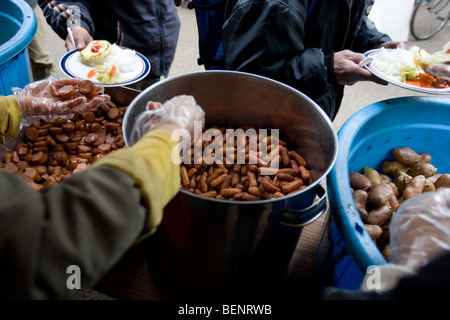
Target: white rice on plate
(125, 60)
(391, 62)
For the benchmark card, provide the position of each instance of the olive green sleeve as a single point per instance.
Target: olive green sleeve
(149, 162)
(88, 220)
(10, 118)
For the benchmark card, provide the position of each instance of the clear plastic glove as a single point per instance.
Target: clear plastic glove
(42, 99)
(420, 230)
(180, 112)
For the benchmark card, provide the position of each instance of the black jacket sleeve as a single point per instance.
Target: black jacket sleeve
(266, 38)
(368, 37)
(56, 12)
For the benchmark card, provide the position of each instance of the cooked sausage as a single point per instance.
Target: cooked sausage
(50, 141)
(62, 137)
(297, 157)
(87, 88)
(113, 113)
(68, 127)
(22, 149)
(67, 92)
(55, 130)
(39, 158)
(75, 136)
(229, 192)
(31, 133)
(292, 186)
(90, 138)
(105, 148)
(89, 116)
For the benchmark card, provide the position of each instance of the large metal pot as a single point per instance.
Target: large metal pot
(205, 245)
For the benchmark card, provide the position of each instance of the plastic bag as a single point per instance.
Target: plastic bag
(183, 110)
(420, 230)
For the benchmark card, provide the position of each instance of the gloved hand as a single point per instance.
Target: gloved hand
(420, 230)
(42, 99)
(180, 112)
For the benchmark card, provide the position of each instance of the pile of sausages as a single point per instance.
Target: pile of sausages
(54, 150)
(228, 180)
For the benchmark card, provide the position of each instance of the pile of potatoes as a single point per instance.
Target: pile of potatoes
(377, 195)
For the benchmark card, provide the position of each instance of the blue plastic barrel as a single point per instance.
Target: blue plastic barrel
(366, 139)
(18, 27)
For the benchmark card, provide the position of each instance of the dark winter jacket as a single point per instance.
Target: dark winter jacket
(150, 27)
(273, 38)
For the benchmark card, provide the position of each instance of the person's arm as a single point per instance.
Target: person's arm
(368, 36)
(420, 245)
(89, 220)
(41, 99)
(10, 117)
(57, 12)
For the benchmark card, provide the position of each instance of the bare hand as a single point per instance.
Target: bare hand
(347, 70)
(81, 37)
(393, 45)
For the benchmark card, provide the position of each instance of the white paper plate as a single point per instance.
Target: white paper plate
(373, 53)
(73, 67)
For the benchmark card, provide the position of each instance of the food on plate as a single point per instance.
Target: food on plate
(414, 66)
(430, 59)
(379, 194)
(95, 50)
(111, 63)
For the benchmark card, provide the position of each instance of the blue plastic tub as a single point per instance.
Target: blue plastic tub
(366, 139)
(18, 27)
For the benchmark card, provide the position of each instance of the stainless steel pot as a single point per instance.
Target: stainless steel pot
(206, 245)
